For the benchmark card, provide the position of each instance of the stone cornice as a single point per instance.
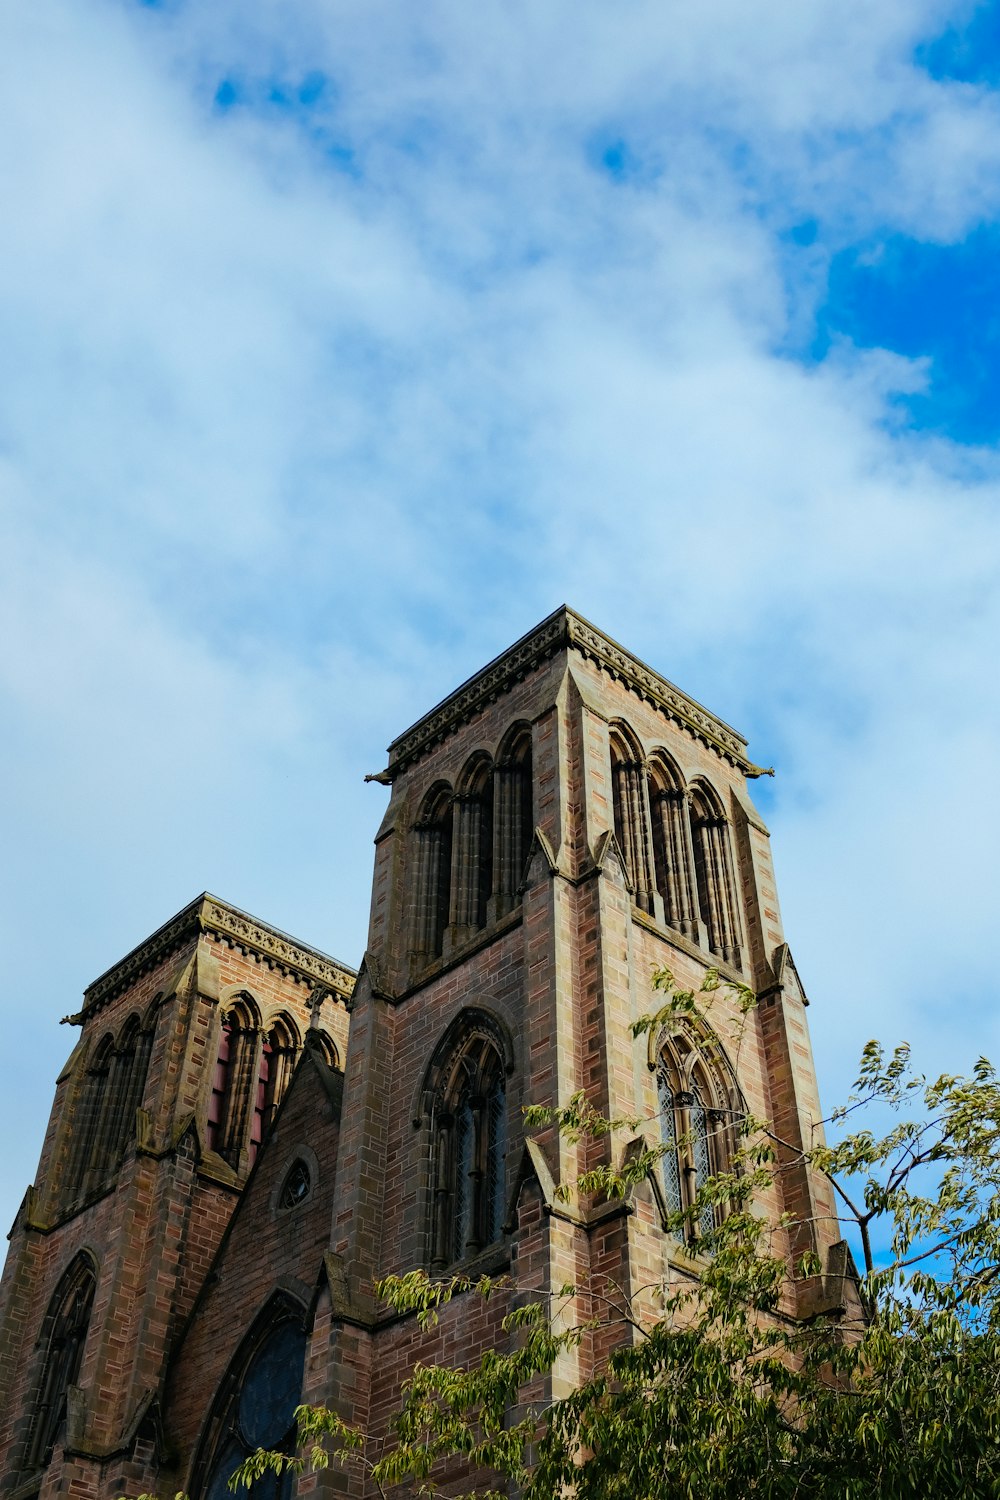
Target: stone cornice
(227, 924)
(564, 630)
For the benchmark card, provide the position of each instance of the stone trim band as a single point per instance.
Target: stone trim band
(207, 914)
(564, 630)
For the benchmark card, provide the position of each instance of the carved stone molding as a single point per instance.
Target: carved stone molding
(226, 924)
(561, 631)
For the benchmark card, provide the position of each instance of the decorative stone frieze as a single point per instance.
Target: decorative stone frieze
(226, 924)
(564, 630)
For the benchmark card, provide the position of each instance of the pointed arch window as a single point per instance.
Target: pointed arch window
(122, 1097)
(713, 862)
(255, 1406)
(235, 1083)
(698, 1109)
(629, 797)
(279, 1050)
(673, 857)
(472, 864)
(65, 1334)
(513, 822)
(89, 1125)
(432, 887)
(466, 1109)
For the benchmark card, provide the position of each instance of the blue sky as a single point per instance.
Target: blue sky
(342, 342)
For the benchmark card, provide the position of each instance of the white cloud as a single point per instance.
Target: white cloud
(306, 412)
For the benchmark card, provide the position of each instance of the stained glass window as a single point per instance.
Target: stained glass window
(258, 1411)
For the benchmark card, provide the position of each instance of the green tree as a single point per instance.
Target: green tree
(711, 1392)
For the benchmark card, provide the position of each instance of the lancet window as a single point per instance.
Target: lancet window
(673, 855)
(699, 1109)
(713, 862)
(64, 1334)
(111, 1092)
(513, 817)
(470, 847)
(252, 1071)
(472, 864)
(433, 834)
(465, 1103)
(89, 1114)
(255, 1406)
(631, 815)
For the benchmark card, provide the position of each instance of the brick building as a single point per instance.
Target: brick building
(223, 1177)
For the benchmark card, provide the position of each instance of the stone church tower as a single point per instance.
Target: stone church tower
(224, 1178)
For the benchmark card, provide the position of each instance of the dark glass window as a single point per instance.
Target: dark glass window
(296, 1187)
(67, 1322)
(256, 1409)
(468, 1118)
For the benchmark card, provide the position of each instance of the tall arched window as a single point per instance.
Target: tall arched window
(629, 798)
(432, 886)
(64, 1334)
(699, 1107)
(235, 1082)
(713, 862)
(472, 861)
(465, 1106)
(88, 1118)
(673, 857)
(277, 1063)
(124, 1094)
(255, 1406)
(513, 822)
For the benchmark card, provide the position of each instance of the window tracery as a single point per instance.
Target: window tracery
(255, 1406)
(631, 815)
(469, 848)
(699, 1106)
(466, 1109)
(65, 1333)
(252, 1071)
(297, 1185)
(673, 856)
(713, 862)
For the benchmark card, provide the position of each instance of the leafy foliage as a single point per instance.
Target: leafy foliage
(711, 1389)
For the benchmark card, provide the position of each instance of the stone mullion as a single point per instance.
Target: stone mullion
(476, 1177)
(441, 1136)
(242, 1080)
(729, 933)
(632, 799)
(465, 867)
(504, 838)
(683, 1101)
(713, 880)
(694, 829)
(634, 831)
(678, 841)
(429, 843)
